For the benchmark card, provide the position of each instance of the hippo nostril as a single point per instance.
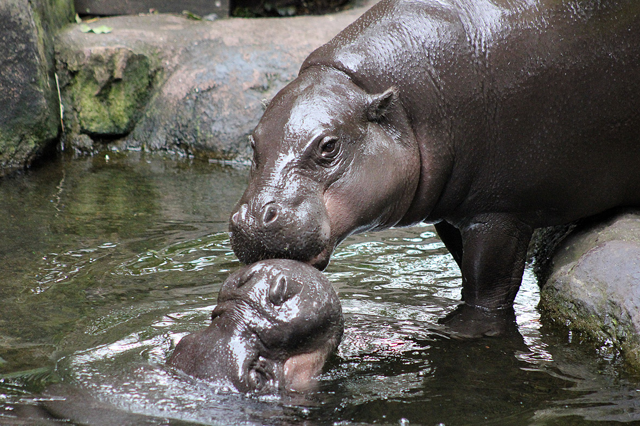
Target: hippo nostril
(235, 217)
(278, 291)
(270, 214)
(240, 215)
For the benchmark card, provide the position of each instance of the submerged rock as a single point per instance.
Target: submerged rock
(30, 116)
(593, 283)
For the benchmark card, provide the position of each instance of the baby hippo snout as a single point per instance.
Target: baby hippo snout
(275, 324)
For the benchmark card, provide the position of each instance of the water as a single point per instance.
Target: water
(107, 262)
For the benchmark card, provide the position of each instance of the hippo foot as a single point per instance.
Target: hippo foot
(469, 322)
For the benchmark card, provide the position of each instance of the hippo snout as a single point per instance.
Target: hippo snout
(271, 230)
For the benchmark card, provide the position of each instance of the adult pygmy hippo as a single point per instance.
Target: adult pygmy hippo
(488, 118)
(275, 324)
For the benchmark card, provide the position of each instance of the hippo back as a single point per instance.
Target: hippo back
(508, 96)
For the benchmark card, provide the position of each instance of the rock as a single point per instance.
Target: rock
(107, 89)
(163, 82)
(30, 117)
(594, 283)
(255, 8)
(128, 7)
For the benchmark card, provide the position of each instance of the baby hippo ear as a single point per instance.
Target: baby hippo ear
(380, 103)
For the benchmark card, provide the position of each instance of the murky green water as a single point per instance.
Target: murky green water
(106, 263)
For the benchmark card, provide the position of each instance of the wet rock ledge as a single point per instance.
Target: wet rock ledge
(593, 283)
(164, 82)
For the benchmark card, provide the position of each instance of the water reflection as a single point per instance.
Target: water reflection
(106, 265)
(70, 232)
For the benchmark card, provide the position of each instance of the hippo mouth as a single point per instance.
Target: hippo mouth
(274, 326)
(321, 260)
(271, 369)
(252, 247)
(283, 229)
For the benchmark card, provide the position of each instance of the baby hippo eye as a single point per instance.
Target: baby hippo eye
(260, 378)
(329, 147)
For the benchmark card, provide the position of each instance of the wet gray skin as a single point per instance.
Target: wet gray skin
(275, 324)
(488, 118)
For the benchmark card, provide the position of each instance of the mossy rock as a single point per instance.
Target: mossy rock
(109, 89)
(27, 82)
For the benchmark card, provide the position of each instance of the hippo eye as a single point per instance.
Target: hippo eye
(329, 147)
(259, 377)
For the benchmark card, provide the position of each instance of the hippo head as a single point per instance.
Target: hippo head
(329, 160)
(275, 324)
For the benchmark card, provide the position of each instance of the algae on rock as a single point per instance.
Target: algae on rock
(108, 88)
(166, 83)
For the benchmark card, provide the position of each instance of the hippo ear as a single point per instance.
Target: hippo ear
(380, 103)
(278, 291)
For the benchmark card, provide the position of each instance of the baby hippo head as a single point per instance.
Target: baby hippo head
(275, 324)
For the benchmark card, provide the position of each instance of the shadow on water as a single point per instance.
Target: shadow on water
(107, 263)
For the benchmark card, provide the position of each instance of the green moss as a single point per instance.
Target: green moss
(632, 355)
(110, 91)
(602, 331)
(566, 312)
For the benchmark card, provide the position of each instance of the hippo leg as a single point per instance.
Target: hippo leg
(452, 239)
(495, 248)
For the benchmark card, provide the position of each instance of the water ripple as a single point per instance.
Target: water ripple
(193, 255)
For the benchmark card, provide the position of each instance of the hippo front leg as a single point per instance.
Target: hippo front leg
(494, 249)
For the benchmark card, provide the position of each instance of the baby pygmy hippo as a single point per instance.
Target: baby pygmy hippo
(275, 324)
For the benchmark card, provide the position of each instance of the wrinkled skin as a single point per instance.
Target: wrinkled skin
(275, 324)
(487, 118)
